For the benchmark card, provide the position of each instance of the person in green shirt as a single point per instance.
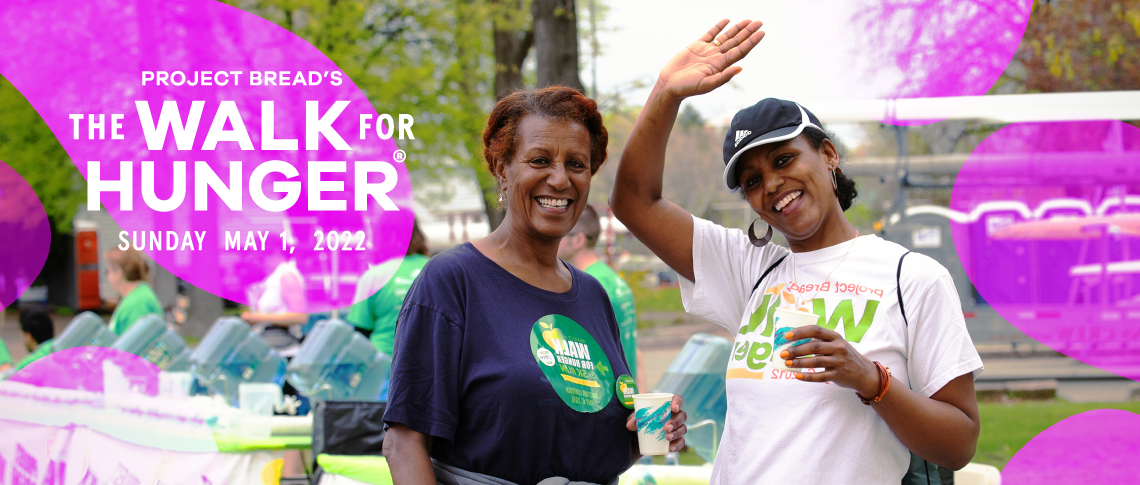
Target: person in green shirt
(5, 356)
(375, 314)
(38, 334)
(577, 248)
(127, 273)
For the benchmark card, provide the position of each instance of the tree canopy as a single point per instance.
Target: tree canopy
(29, 147)
(428, 58)
(1091, 45)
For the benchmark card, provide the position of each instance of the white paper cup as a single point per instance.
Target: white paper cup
(652, 412)
(786, 320)
(258, 399)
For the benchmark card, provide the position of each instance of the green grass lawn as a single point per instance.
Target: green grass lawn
(687, 457)
(1006, 427)
(658, 300)
(653, 300)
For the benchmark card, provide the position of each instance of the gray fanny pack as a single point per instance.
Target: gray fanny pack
(449, 475)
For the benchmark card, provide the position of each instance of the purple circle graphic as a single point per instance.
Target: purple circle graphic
(1098, 446)
(256, 168)
(26, 235)
(937, 48)
(1048, 230)
(81, 369)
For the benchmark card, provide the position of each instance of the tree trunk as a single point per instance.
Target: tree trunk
(513, 40)
(511, 48)
(556, 43)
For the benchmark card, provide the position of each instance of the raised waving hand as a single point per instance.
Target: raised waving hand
(700, 67)
(706, 64)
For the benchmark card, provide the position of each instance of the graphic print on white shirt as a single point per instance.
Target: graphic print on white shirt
(782, 430)
(849, 309)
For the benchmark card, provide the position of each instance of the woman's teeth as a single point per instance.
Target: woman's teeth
(553, 203)
(788, 200)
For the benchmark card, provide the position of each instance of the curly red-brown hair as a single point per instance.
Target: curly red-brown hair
(559, 103)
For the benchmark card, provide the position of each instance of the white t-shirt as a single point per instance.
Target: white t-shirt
(273, 299)
(781, 430)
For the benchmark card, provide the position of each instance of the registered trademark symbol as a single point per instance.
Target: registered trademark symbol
(400, 156)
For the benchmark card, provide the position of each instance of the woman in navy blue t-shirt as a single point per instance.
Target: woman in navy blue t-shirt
(506, 358)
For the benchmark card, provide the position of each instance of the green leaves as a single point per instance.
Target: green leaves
(432, 59)
(29, 146)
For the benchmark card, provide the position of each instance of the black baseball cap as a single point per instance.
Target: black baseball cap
(769, 121)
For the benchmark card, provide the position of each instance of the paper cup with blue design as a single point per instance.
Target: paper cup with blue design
(785, 321)
(653, 411)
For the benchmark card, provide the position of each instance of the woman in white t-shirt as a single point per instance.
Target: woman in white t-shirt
(800, 416)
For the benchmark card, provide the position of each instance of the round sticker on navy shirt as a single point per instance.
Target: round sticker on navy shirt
(626, 388)
(573, 362)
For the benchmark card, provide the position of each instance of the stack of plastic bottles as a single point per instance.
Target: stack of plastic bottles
(149, 338)
(698, 374)
(85, 330)
(232, 354)
(336, 363)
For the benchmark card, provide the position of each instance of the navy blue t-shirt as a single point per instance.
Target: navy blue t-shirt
(463, 372)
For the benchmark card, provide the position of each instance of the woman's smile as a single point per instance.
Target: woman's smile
(553, 205)
(788, 202)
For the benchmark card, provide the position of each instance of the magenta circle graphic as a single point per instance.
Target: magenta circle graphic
(232, 152)
(81, 369)
(1098, 446)
(26, 235)
(1048, 230)
(936, 48)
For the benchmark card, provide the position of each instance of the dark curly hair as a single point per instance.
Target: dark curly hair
(559, 103)
(846, 185)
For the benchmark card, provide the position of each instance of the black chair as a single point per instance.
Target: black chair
(347, 428)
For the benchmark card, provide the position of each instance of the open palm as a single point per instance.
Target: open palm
(703, 66)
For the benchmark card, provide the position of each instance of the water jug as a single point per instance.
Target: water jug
(697, 374)
(337, 363)
(231, 354)
(149, 338)
(85, 330)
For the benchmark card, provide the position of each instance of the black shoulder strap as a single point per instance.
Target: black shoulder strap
(765, 275)
(898, 287)
(929, 470)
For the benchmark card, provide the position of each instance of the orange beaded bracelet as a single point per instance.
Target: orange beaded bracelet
(884, 386)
